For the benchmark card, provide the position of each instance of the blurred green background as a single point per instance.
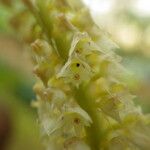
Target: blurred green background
(127, 21)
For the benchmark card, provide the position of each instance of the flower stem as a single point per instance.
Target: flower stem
(94, 132)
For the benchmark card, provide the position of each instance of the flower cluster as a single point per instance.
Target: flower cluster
(81, 100)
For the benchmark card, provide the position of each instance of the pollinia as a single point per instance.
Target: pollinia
(82, 101)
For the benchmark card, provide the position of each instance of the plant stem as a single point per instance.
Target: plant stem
(94, 132)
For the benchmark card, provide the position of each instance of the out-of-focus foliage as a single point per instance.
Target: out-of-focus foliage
(18, 125)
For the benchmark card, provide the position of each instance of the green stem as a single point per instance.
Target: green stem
(94, 132)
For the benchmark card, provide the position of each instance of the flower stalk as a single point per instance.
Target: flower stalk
(94, 132)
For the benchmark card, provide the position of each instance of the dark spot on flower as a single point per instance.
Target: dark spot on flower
(77, 120)
(76, 76)
(78, 65)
